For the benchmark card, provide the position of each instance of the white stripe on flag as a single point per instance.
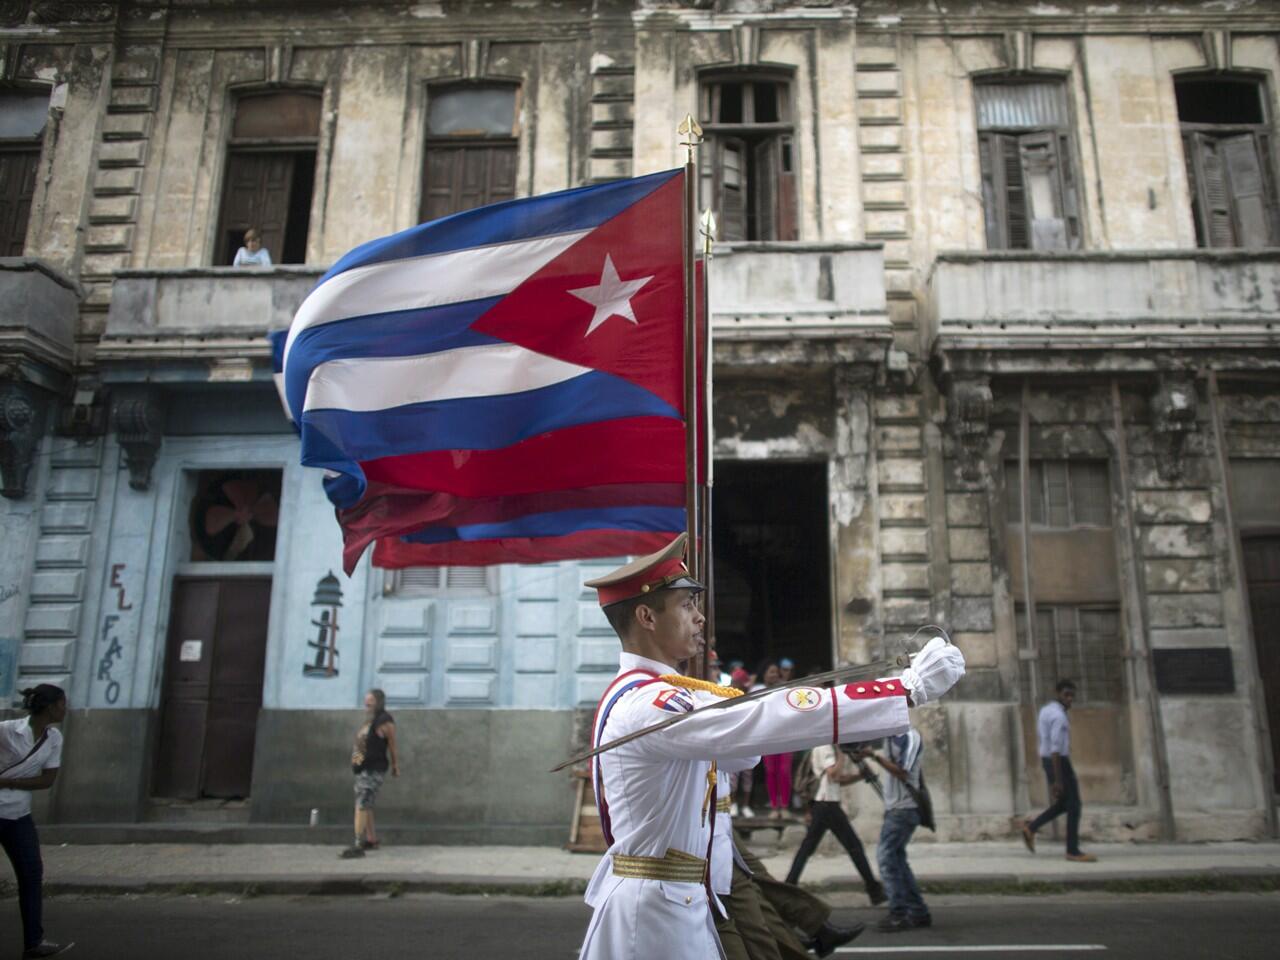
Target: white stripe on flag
(380, 383)
(430, 281)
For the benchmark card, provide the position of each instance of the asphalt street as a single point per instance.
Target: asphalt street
(1224, 926)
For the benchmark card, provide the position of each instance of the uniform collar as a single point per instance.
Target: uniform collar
(632, 661)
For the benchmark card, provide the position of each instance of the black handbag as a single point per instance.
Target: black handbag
(924, 802)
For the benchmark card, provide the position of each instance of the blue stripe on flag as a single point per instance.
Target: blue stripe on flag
(401, 333)
(558, 523)
(277, 339)
(336, 438)
(569, 210)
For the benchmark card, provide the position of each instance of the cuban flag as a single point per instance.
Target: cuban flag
(504, 384)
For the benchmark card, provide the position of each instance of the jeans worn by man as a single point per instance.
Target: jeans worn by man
(907, 908)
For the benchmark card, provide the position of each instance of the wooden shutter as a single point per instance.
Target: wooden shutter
(1004, 193)
(464, 176)
(1212, 196)
(256, 194)
(764, 188)
(1042, 190)
(17, 188)
(1248, 192)
(788, 208)
(731, 166)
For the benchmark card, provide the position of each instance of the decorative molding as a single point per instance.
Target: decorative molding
(1019, 47)
(970, 406)
(22, 410)
(746, 44)
(138, 418)
(279, 62)
(54, 11)
(1217, 49)
(475, 58)
(1173, 420)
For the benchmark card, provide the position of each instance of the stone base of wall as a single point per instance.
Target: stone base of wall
(106, 767)
(467, 776)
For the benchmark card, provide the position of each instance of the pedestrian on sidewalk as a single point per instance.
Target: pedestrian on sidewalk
(830, 766)
(777, 766)
(374, 752)
(907, 908)
(1053, 729)
(30, 755)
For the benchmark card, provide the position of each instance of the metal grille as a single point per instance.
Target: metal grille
(422, 581)
(1020, 106)
(1077, 643)
(1064, 493)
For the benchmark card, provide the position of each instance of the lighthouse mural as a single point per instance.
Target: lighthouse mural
(328, 599)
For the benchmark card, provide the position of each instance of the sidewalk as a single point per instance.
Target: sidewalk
(258, 869)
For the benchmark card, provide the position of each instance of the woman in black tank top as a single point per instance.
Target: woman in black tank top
(373, 753)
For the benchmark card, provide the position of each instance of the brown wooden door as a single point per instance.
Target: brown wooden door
(463, 177)
(1262, 571)
(256, 194)
(213, 687)
(17, 187)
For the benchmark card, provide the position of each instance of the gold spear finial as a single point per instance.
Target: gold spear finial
(690, 133)
(707, 227)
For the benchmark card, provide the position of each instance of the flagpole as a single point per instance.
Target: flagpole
(690, 133)
(708, 230)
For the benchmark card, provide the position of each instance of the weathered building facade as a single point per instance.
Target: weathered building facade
(996, 317)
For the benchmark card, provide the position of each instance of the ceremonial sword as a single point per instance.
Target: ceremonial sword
(860, 671)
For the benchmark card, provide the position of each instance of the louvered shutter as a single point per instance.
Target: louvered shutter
(1212, 195)
(1004, 193)
(732, 168)
(1248, 192)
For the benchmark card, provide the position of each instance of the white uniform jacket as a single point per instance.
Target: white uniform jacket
(650, 792)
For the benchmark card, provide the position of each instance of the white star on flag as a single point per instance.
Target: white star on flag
(611, 297)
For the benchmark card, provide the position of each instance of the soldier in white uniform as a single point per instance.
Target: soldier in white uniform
(656, 795)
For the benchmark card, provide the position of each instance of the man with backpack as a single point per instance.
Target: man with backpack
(906, 806)
(818, 779)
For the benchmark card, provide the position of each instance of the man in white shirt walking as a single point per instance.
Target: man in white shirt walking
(1053, 729)
(829, 763)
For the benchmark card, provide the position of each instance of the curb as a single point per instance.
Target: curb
(1257, 880)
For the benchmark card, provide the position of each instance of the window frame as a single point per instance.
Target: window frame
(1264, 139)
(1039, 683)
(234, 146)
(468, 140)
(32, 146)
(778, 137)
(1068, 184)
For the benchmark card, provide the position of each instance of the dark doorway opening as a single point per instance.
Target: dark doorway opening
(772, 563)
(1262, 572)
(214, 661)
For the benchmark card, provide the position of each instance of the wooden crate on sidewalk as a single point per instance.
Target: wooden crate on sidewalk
(585, 835)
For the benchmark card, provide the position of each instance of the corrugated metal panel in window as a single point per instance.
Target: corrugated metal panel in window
(1020, 106)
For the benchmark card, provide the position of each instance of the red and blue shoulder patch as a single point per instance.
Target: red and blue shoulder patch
(674, 700)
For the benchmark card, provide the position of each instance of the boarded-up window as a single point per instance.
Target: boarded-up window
(1030, 198)
(1080, 643)
(471, 148)
(270, 175)
(749, 178)
(1227, 144)
(23, 114)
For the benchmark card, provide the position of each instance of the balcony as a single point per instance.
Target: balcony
(813, 300)
(1019, 312)
(38, 324)
(206, 323)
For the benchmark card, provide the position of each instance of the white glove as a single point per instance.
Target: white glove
(933, 671)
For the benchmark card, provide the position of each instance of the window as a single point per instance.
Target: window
(1029, 195)
(470, 150)
(1227, 143)
(234, 515)
(1074, 642)
(1064, 493)
(23, 114)
(270, 175)
(432, 581)
(749, 179)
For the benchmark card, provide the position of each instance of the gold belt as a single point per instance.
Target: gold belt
(724, 804)
(676, 866)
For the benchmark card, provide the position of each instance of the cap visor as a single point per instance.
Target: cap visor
(685, 583)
